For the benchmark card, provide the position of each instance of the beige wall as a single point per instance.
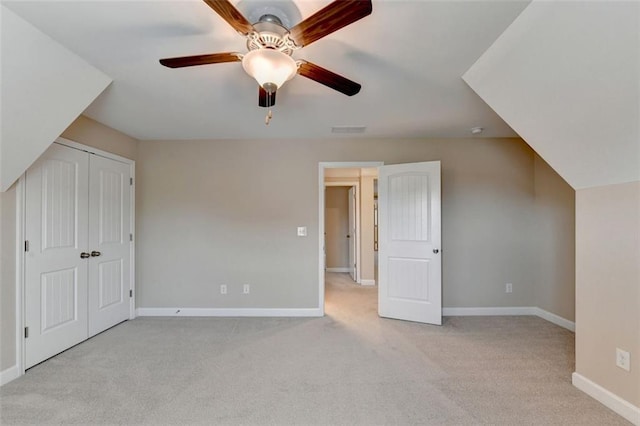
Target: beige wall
(336, 219)
(608, 286)
(89, 132)
(209, 214)
(7, 278)
(554, 234)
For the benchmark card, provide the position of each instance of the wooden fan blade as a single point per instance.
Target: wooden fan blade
(328, 78)
(264, 100)
(336, 15)
(190, 61)
(229, 13)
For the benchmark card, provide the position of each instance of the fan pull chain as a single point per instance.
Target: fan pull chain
(270, 88)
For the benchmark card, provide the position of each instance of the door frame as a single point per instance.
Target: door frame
(353, 232)
(21, 235)
(321, 185)
(355, 185)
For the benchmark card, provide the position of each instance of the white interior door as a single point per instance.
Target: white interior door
(410, 267)
(352, 236)
(109, 228)
(55, 274)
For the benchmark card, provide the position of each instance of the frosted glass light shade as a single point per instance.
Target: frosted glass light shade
(269, 66)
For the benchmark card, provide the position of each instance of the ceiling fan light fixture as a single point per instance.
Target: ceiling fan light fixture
(269, 66)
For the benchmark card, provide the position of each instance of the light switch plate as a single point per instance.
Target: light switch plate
(302, 231)
(623, 359)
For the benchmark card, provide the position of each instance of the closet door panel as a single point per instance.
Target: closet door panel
(109, 229)
(56, 229)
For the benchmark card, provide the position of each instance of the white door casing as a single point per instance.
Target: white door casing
(352, 236)
(410, 266)
(55, 274)
(109, 228)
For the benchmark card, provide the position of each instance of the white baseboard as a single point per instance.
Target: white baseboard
(368, 282)
(9, 375)
(556, 319)
(607, 398)
(513, 310)
(224, 312)
(498, 311)
(338, 270)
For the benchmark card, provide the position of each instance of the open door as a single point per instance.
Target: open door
(410, 266)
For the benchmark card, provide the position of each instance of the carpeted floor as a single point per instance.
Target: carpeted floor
(349, 367)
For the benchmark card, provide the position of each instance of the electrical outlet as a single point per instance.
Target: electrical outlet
(508, 288)
(223, 289)
(623, 359)
(246, 289)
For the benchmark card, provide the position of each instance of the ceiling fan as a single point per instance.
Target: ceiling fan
(270, 46)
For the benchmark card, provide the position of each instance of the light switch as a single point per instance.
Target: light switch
(302, 231)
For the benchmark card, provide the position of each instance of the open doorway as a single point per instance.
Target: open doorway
(347, 217)
(341, 229)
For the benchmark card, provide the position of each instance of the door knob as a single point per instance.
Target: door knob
(95, 253)
(436, 251)
(84, 255)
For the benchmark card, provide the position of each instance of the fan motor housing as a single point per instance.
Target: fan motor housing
(270, 34)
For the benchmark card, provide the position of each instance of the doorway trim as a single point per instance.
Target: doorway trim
(321, 185)
(21, 236)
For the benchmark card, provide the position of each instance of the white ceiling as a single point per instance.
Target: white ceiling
(409, 57)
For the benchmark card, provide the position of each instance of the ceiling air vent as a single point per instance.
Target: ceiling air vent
(348, 129)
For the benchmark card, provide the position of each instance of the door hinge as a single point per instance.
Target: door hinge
(130, 237)
(26, 332)
(130, 181)
(130, 293)
(26, 245)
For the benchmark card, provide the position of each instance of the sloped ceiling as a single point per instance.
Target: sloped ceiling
(408, 56)
(566, 77)
(44, 88)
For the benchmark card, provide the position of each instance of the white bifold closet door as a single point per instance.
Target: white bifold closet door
(77, 225)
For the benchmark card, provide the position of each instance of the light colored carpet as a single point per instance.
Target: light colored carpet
(349, 367)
